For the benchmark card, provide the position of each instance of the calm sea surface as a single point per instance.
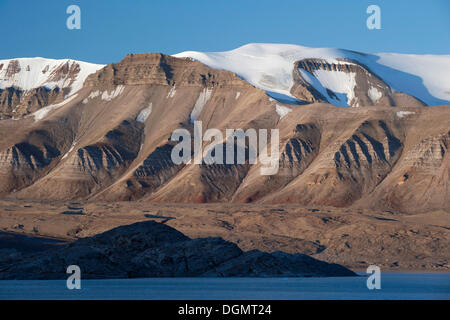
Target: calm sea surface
(393, 286)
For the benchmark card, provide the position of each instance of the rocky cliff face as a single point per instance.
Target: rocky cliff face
(151, 249)
(421, 179)
(30, 158)
(110, 140)
(350, 167)
(160, 69)
(298, 150)
(345, 83)
(16, 103)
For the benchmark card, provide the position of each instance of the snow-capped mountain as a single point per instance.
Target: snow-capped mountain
(337, 76)
(291, 74)
(111, 140)
(27, 84)
(30, 73)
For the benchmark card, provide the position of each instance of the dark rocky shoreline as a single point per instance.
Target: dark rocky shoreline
(152, 249)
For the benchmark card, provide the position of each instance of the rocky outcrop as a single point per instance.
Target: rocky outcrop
(344, 83)
(151, 249)
(87, 169)
(156, 170)
(29, 84)
(299, 148)
(421, 180)
(348, 168)
(28, 160)
(16, 103)
(161, 69)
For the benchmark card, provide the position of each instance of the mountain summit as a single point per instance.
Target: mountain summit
(28, 84)
(337, 76)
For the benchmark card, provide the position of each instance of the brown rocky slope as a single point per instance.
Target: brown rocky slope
(110, 141)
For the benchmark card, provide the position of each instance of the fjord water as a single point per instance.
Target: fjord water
(393, 286)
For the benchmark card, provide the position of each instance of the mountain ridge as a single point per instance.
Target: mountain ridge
(388, 66)
(29, 84)
(110, 141)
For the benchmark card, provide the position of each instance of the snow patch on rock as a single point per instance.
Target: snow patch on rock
(92, 95)
(374, 94)
(70, 150)
(172, 92)
(200, 103)
(114, 94)
(402, 114)
(143, 115)
(282, 110)
(341, 84)
(41, 113)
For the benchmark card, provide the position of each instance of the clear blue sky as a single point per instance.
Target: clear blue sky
(111, 28)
